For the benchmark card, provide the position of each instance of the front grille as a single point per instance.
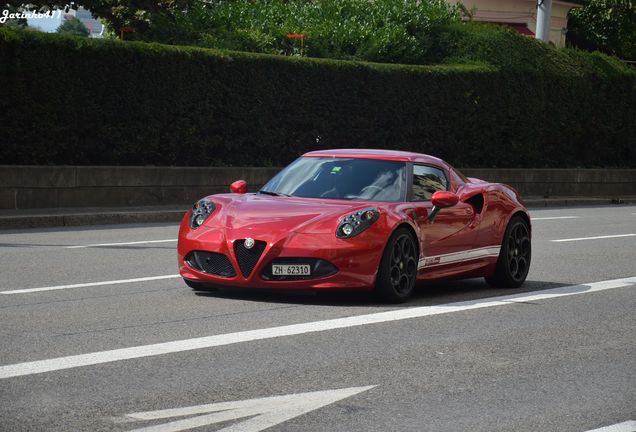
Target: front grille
(211, 262)
(247, 258)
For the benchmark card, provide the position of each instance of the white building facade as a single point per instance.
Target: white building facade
(521, 15)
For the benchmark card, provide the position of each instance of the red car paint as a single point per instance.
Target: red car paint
(462, 241)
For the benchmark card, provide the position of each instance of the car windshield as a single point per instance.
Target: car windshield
(341, 178)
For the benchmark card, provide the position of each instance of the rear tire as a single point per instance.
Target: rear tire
(199, 286)
(513, 263)
(398, 268)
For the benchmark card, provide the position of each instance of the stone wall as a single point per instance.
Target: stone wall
(33, 187)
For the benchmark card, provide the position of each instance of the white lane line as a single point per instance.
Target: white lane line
(41, 366)
(628, 426)
(553, 218)
(121, 244)
(593, 238)
(90, 284)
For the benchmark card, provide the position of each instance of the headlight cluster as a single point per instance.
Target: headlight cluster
(200, 212)
(355, 223)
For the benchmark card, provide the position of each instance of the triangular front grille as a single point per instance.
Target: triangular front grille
(247, 258)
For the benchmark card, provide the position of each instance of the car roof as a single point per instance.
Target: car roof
(391, 155)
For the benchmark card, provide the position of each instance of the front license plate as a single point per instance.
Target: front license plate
(291, 270)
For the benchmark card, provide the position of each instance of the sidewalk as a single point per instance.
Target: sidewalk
(538, 202)
(60, 217)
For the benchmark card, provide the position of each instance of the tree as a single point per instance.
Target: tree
(605, 25)
(73, 26)
(140, 14)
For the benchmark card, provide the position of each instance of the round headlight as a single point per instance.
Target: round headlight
(200, 212)
(355, 223)
(347, 229)
(199, 219)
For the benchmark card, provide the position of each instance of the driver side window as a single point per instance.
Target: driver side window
(426, 181)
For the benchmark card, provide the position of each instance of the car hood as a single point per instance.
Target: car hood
(257, 215)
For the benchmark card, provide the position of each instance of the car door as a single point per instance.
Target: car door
(446, 242)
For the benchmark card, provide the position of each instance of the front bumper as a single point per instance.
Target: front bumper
(346, 263)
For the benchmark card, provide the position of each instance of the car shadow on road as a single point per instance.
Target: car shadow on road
(425, 295)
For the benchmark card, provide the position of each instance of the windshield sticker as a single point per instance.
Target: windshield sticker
(335, 170)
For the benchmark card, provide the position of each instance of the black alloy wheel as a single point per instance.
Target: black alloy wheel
(513, 263)
(398, 267)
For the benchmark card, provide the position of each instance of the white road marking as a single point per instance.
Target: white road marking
(628, 426)
(121, 244)
(553, 218)
(593, 238)
(89, 284)
(269, 411)
(60, 363)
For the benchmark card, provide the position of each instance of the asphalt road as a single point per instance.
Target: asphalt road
(560, 356)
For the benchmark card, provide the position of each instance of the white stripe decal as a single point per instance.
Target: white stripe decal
(456, 257)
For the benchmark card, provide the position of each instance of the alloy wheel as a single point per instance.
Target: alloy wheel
(403, 264)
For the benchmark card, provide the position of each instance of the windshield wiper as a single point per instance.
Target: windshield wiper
(264, 192)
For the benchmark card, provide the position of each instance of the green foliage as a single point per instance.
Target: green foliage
(605, 25)
(74, 27)
(378, 30)
(502, 47)
(140, 14)
(85, 101)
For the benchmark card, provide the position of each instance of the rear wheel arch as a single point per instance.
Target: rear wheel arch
(522, 214)
(515, 254)
(501, 232)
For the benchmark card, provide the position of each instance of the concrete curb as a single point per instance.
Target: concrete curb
(576, 201)
(84, 217)
(71, 217)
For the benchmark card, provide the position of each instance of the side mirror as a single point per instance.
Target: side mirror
(239, 187)
(443, 199)
(440, 200)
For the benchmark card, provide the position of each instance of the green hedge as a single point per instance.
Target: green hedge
(72, 100)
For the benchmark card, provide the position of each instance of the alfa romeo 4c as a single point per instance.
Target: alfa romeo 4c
(357, 220)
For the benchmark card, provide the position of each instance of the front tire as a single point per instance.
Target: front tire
(513, 263)
(398, 267)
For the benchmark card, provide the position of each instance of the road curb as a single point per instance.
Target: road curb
(576, 202)
(83, 219)
(16, 219)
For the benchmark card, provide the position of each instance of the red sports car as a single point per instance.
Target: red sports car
(357, 219)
